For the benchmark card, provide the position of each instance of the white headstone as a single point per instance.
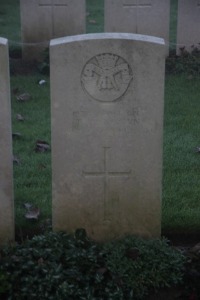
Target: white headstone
(6, 174)
(149, 17)
(42, 20)
(107, 122)
(188, 27)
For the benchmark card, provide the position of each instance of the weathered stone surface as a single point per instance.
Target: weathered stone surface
(6, 176)
(188, 27)
(107, 122)
(42, 20)
(149, 17)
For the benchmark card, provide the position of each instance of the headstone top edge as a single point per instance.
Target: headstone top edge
(107, 35)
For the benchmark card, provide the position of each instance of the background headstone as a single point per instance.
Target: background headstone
(188, 27)
(42, 20)
(149, 17)
(107, 122)
(6, 174)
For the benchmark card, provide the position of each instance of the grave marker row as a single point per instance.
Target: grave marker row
(42, 20)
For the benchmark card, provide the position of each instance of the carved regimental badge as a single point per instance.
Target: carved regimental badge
(106, 77)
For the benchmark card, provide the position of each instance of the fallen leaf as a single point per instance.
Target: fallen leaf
(19, 117)
(42, 146)
(28, 205)
(16, 160)
(16, 135)
(92, 21)
(32, 213)
(23, 97)
(15, 91)
(41, 82)
(197, 149)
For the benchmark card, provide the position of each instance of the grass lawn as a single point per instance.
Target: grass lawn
(32, 176)
(181, 176)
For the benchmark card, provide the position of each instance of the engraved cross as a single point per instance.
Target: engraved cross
(53, 4)
(105, 175)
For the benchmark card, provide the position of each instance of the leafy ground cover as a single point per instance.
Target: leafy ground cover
(32, 165)
(64, 266)
(61, 266)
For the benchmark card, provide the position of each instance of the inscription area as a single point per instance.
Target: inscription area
(54, 5)
(137, 3)
(106, 175)
(106, 77)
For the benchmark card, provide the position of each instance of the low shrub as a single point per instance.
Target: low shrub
(185, 63)
(145, 265)
(192, 273)
(4, 284)
(61, 266)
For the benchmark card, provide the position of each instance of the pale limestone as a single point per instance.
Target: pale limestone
(149, 17)
(107, 127)
(42, 20)
(6, 173)
(188, 27)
